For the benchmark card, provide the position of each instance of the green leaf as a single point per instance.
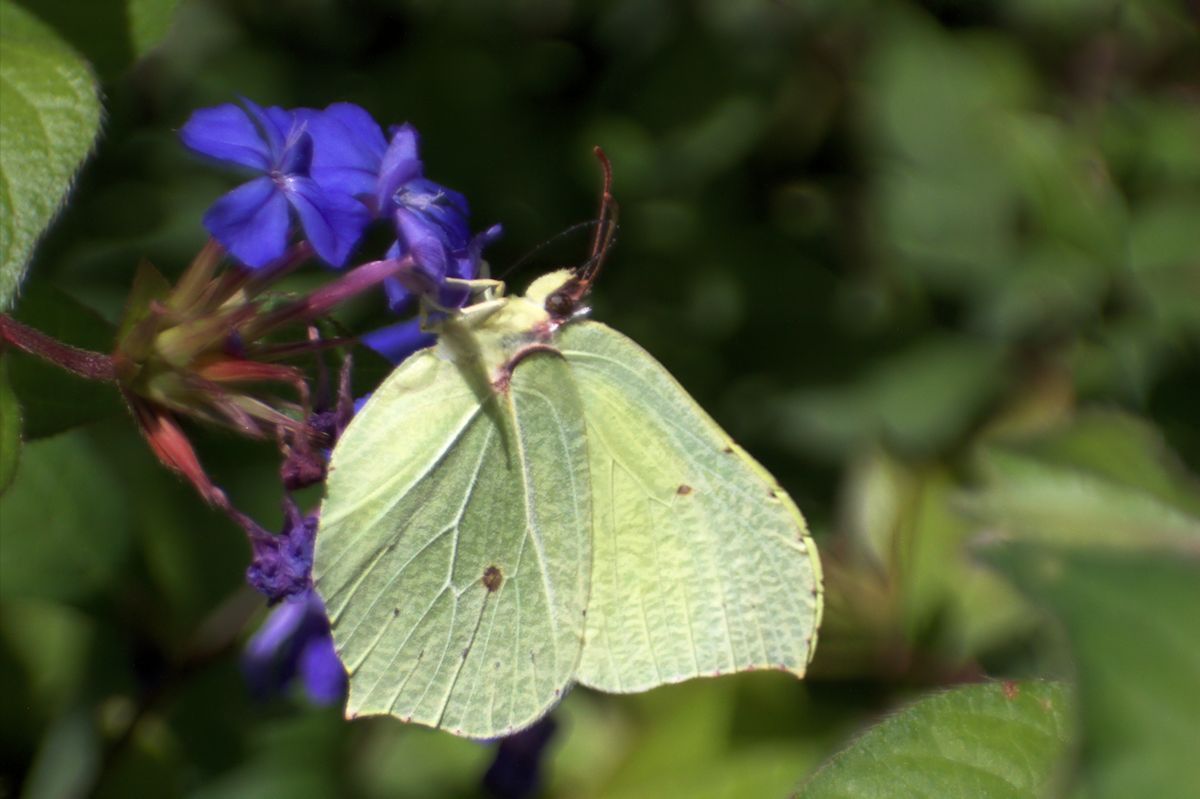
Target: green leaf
(49, 116)
(414, 763)
(67, 759)
(920, 399)
(110, 34)
(683, 741)
(51, 641)
(902, 519)
(10, 427)
(993, 739)
(1106, 478)
(53, 400)
(1130, 618)
(63, 521)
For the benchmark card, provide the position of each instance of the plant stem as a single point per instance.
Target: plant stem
(83, 363)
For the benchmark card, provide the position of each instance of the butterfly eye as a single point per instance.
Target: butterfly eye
(560, 305)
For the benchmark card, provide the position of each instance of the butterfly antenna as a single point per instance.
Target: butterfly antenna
(564, 302)
(533, 252)
(606, 227)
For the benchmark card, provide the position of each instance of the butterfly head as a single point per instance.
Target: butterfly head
(564, 291)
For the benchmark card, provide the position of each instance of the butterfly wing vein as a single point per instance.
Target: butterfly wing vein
(703, 565)
(457, 593)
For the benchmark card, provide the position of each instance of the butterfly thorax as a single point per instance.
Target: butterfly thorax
(494, 332)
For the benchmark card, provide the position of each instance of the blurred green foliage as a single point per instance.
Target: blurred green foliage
(934, 263)
(991, 739)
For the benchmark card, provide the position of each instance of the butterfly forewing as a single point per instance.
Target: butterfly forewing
(702, 564)
(454, 548)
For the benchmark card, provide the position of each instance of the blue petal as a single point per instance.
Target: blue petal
(282, 623)
(297, 156)
(400, 297)
(515, 772)
(268, 660)
(323, 674)
(333, 223)
(274, 124)
(397, 342)
(282, 120)
(400, 164)
(251, 222)
(227, 134)
(441, 207)
(424, 241)
(348, 151)
(466, 262)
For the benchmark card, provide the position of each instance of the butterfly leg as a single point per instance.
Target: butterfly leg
(474, 314)
(489, 288)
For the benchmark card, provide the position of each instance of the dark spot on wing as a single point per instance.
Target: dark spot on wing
(466, 651)
(492, 578)
(395, 612)
(728, 450)
(683, 490)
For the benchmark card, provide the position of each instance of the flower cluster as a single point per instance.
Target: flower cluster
(334, 172)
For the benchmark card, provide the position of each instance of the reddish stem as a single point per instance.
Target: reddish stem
(84, 363)
(326, 297)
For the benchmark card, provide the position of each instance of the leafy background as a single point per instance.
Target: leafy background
(934, 263)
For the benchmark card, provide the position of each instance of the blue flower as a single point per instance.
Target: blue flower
(253, 221)
(348, 149)
(398, 341)
(293, 642)
(431, 220)
(515, 772)
(431, 225)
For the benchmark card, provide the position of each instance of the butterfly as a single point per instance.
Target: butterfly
(535, 502)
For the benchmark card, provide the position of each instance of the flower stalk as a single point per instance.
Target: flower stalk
(80, 362)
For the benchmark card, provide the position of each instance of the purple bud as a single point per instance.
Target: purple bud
(281, 565)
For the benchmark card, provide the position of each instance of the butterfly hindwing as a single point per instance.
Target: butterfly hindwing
(702, 565)
(454, 550)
